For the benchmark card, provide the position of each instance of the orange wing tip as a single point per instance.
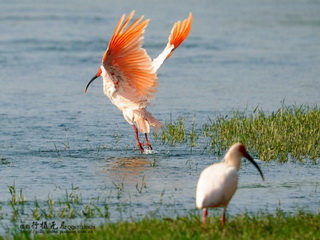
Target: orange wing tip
(180, 31)
(120, 25)
(123, 35)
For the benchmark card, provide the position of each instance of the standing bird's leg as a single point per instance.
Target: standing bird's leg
(223, 217)
(137, 139)
(204, 215)
(147, 141)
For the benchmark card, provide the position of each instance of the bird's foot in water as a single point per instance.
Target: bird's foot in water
(148, 145)
(147, 150)
(139, 144)
(147, 141)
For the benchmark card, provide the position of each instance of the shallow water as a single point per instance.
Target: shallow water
(239, 55)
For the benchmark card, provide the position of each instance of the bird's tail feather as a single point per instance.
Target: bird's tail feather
(144, 119)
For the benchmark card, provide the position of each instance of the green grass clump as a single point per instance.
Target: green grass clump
(289, 133)
(243, 226)
(70, 207)
(174, 132)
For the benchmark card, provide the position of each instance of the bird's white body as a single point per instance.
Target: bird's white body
(218, 182)
(216, 186)
(132, 106)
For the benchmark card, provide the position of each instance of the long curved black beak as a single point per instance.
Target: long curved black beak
(92, 79)
(247, 156)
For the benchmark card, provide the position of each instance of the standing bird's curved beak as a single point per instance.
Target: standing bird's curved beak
(92, 79)
(247, 156)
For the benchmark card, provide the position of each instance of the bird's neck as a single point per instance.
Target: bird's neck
(233, 159)
(108, 86)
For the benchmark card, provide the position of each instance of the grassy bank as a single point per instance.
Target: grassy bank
(291, 132)
(245, 226)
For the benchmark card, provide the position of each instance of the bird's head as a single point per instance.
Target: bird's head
(235, 153)
(98, 74)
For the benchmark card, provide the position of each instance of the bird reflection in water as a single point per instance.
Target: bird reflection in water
(126, 169)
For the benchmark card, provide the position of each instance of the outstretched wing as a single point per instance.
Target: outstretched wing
(127, 62)
(179, 33)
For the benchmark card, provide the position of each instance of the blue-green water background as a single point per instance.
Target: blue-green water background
(239, 55)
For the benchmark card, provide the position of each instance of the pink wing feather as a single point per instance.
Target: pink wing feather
(126, 58)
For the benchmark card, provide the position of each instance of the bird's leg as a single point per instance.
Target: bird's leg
(204, 215)
(223, 217)
(147, 141)
(137, 139)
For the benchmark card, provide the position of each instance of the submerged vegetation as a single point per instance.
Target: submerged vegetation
(71, 206)
(289, 133)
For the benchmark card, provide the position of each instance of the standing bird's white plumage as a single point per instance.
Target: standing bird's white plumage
(129, 74)
(218, 182)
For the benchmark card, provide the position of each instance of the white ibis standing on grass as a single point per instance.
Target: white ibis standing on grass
(218, 182)
(129, 74)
